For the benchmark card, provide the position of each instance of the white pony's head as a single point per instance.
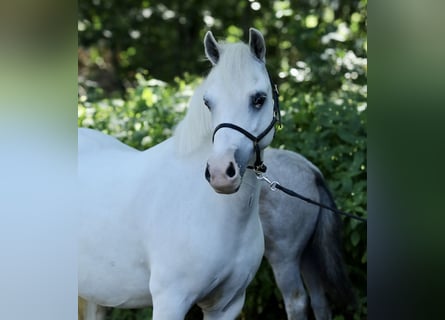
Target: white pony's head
(239, 97)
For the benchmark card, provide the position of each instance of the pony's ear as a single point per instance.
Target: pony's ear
(211, 48)
(257, 44)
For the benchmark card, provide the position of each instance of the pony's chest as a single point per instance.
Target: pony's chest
(233, 277)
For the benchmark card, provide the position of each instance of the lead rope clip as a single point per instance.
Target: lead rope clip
(272, 184)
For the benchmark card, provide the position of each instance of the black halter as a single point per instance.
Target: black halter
(258, 165)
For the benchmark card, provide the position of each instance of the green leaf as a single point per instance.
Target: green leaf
(355, 238)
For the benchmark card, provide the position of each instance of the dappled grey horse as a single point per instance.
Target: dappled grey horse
(302, 241)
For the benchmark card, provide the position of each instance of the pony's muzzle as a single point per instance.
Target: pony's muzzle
(223, 176)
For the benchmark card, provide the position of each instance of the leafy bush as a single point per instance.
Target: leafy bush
(145, 117)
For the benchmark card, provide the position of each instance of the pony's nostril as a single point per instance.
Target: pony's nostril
(207, 173)
(231, 170)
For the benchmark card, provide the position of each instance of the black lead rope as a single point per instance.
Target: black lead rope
(299, 196)
(274, 185)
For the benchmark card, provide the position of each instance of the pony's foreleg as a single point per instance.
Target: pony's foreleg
(288, 278)
(230, 312)
(94, 311)
(169, 306)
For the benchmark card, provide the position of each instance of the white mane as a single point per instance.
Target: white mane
(196, 127)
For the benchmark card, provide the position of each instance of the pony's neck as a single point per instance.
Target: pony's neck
(248, 198)
(249, 188)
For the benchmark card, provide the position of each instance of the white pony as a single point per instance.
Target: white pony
(153, 232)
(302, 241)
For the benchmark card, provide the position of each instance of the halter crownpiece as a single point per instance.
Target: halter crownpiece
(276, 103)
(259, 165)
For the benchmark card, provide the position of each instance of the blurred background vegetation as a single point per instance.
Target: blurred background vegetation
(139, 60)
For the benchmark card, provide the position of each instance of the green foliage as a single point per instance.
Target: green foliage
(117, 39)
(316, 51)
(146, 116)
(123, 314)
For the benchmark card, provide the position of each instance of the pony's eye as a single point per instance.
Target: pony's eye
(207, 103)
(258, 100)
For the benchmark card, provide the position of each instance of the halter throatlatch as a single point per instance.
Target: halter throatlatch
(259, 165)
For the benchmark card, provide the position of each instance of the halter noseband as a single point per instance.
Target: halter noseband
(258, 166)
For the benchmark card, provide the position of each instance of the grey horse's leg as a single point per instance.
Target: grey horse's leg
(315, 287)
(323, 267)
(287, 276)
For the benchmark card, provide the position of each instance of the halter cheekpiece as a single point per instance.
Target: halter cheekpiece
(259, 165)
